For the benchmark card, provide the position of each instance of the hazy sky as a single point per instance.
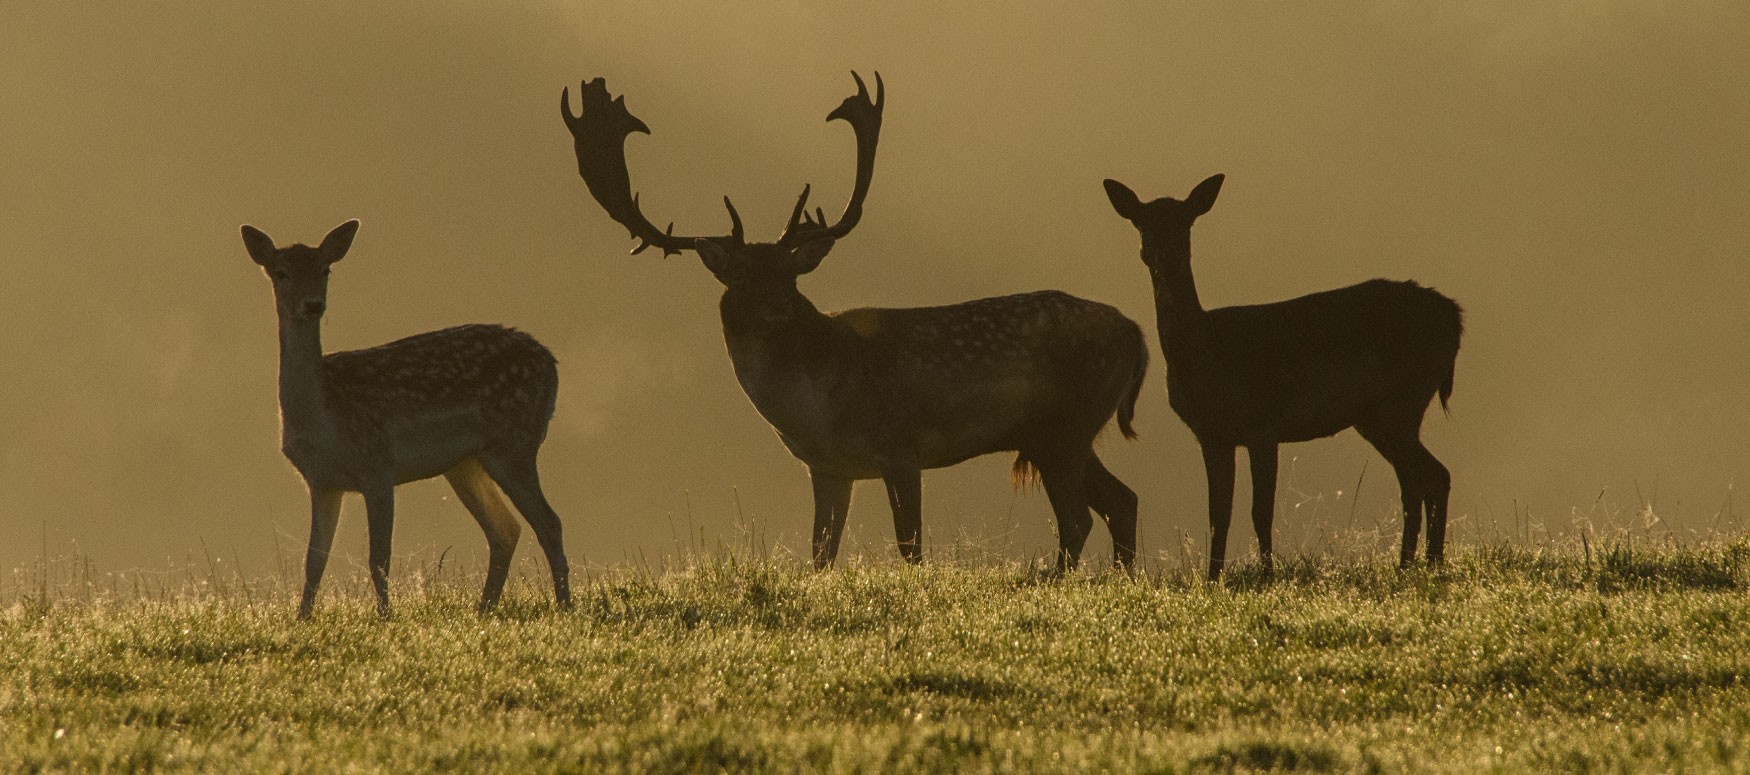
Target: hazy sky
(1575, 174)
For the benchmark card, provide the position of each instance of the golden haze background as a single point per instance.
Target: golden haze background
(1575, 174)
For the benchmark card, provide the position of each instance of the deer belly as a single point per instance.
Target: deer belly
(1274, 414)
(949, 427)
(434, 441)
(943, 447)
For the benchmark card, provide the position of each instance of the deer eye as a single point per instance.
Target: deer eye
(279, 274)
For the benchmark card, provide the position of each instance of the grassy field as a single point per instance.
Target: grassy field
(1511, 660)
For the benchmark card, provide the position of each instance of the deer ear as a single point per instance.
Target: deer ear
(806, 257)
(1123, 199)
(259, 245)
(335, 245)
(713, 255)
(1203, 196)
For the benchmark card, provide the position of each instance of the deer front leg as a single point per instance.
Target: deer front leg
(380, 524)
(1218, 466)
(324, 516)
(832, 500)
(905, 493)
(1263, 460)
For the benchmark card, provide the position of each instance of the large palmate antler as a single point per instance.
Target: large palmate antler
(600, 129)
(603, 123)
(865, 120)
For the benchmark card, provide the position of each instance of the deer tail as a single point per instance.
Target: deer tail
(1446, 388)
(1457, 333)
(1023, 473)
(1127, 406)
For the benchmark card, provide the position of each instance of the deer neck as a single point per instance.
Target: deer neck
(302, 401)
(784, 351)
(778, 327)
(1180, 316)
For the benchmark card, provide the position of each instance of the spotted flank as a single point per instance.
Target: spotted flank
(512, 378)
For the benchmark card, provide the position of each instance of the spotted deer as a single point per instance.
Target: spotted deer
(1369, 356)
(886, 393)
(471, 403)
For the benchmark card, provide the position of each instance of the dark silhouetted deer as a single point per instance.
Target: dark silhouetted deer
(470, 403)
(887, 393)
(1369, 356)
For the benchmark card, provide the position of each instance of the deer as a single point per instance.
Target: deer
(1369, 356)
(471, 403)
(880, 393)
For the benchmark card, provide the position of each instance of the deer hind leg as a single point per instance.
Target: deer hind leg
(1406, 462)
(832, 501)
(1263, 458)
(1116, 504)
(1218, 468)
(476, 491)
(1066, 485)
(905, 494)
(324, 517)
(1437, 485)
(518, 477)
(380, 524)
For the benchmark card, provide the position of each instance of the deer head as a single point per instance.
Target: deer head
(1165, 223)
(600, 129)
(300, 272)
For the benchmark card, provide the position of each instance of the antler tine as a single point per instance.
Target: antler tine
(565, 109)
(864, 116)
(863, 91)
(799, 219)
(644, 244)
(801, 210)
(735, 232)
(600, 128)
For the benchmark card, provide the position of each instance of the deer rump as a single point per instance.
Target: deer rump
(1309, 367)
(928, 387)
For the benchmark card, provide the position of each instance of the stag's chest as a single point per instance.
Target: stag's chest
(346, 450)
(813, 400)
(317, 451)
(799, 397)
(1203, 400)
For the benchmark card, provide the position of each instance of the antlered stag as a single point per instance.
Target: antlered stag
(887, 393)
(1369, 356)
